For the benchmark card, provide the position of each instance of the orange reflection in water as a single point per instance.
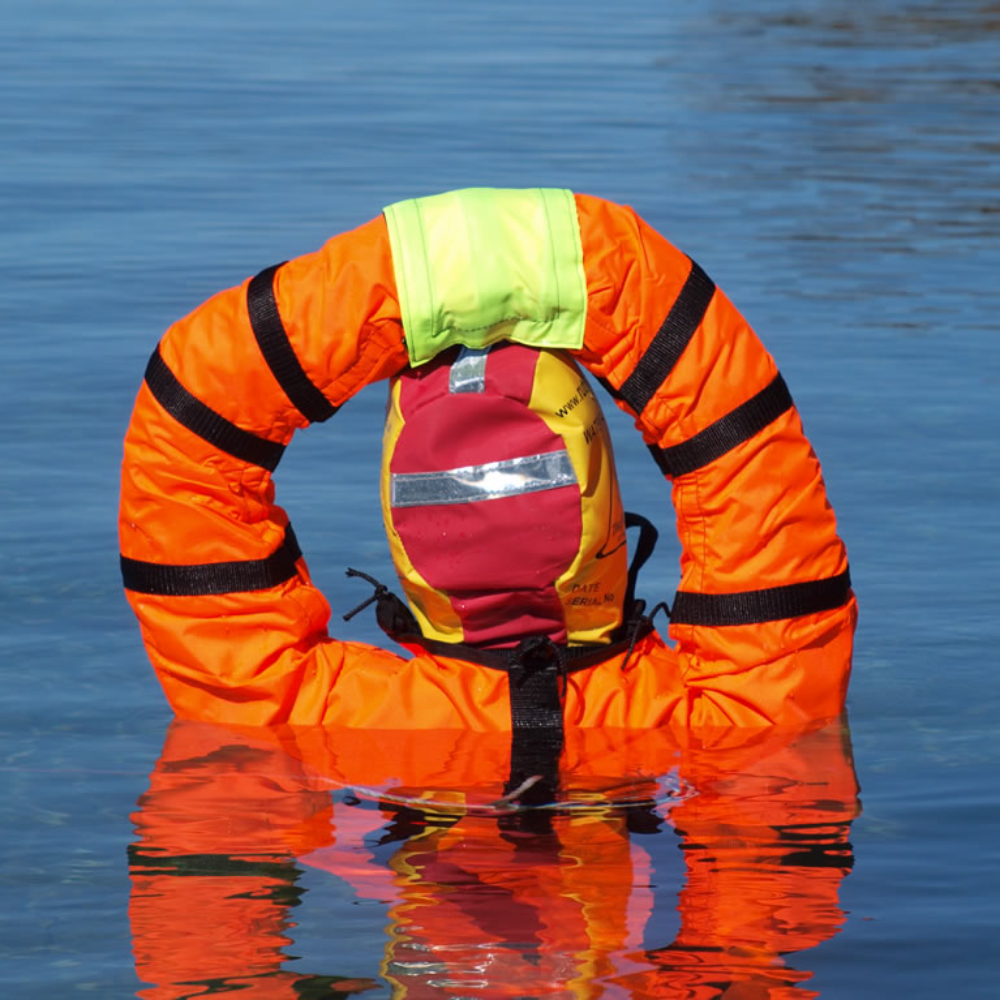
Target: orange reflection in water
(486, 903)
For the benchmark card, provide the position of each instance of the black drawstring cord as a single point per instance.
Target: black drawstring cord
(662, 606)
(636, 624)
(392, 615)
(381, 590)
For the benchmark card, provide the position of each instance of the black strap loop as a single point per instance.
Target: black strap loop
(648, 537)
(380, 591)
(641, 625)
(743, 423)
(539, 652)
(756, 606)
(278, 352)
(214, 578)
(210, 426)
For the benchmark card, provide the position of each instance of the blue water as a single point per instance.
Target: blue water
(833, 167)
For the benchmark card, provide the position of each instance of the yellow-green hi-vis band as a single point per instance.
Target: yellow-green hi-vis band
(487, 264)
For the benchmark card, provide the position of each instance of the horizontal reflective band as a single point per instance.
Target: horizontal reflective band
(277, 350)
(468, 373)
(658, 360)
(200, 419)
(756, 606)
(214, 578)
(509, 478)
(714, 441)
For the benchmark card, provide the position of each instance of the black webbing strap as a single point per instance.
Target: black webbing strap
(278, 352)
(726, 433)
(755, 606)
(666, 347)
(534, 698)
(534, 754)
(214, 578)
(210, 426)
(536, 740)
(574, 657)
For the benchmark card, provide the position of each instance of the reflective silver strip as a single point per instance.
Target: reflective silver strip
(468, 373)
(509, 478)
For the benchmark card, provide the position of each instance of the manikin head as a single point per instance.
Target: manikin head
(501, 500)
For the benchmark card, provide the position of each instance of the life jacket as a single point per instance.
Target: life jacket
(763, 621)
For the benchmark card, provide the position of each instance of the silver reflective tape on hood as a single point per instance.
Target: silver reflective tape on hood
(509, 478)
(468, 373)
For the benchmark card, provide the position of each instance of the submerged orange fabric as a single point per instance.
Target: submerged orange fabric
(231, 819)
(757, 517)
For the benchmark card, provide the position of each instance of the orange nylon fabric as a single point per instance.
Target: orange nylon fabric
(756, 517)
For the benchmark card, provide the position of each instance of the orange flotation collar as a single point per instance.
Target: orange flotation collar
(764, 617)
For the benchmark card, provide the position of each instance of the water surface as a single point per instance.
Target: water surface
(833, 167)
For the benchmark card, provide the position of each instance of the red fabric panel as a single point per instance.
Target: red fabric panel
(510, 371)
(469, 428)
(488, 619)
(497, 560)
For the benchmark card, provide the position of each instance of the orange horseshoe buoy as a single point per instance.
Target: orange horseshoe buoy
(764, 617)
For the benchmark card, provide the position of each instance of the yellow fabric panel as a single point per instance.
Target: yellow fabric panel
(592, 589)
(433, 611)
(485, 264)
